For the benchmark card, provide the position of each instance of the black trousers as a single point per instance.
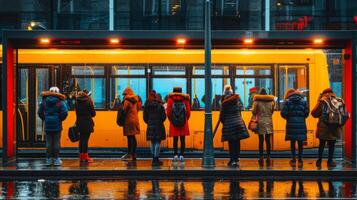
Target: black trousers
(267, 142)
(83, 142)
(183, 144)
(132, 144)
(234, 149)
(331, 149)
(300, 148)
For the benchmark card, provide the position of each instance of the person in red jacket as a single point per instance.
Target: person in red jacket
(178, 111)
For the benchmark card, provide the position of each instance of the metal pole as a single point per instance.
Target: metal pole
(208, 154)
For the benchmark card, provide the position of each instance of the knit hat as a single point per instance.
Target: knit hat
(54, 89)
(289, 92)
(253, 89)
(228, 90)
(177, 89)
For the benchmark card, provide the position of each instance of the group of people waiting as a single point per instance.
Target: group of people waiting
(295, 110)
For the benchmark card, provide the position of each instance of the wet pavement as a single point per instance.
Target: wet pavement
(179, 189)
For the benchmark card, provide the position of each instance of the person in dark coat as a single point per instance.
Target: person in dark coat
(295, 110)
(234, 128)
(177, 97)
(53, 110)
(154, 117)
(326, 133)
(85, 124)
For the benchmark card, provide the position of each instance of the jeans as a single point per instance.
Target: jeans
(155, 148)
(83, 142)
(267, 142)
(132, 144)
(53, 144)
(182, 140)
(234, 149)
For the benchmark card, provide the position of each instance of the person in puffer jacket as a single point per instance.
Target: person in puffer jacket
(295, 110)
(53, 110)
(154, 117)
(234, 129)
(84, 122)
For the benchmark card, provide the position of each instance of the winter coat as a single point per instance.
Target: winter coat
(131, 107)
(52, 110)
(324, 131)
(295, 110)
(233, 125)
(263, 108)
(84, 113)
(184, 130)
(154, 117)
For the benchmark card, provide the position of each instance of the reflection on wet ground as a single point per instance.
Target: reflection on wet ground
(179, 189)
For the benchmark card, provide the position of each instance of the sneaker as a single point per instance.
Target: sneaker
(57, 162)
(182, 159)
(48, 161)
(175, 159)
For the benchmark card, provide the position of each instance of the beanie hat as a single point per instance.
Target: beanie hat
(177, 89)
(228, 90)
(54, 89)
(253, 89)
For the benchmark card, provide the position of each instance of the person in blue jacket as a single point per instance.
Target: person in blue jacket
(53, 110)
(295, 110)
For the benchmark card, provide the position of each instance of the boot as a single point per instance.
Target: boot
(300, 163)
(126, 157)
(81, 157)
(87, 158)
(292, 162)
(155, 161)
(133, 157)
(268, 161)
(261, 161)
(331, 163)
(318, 163)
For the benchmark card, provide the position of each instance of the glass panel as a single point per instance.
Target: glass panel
(22, 128)
(198, 92)
(97, 87)
(128, 70)
(244, 85)
(42, 84)
(169, 70)
(164, 86)
(118, 85)
(87, 70)
(291, 76)
(216, 70)
(253, 70)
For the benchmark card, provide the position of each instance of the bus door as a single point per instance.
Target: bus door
(31, 81)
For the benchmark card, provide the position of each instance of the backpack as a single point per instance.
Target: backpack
(334, 112)
(178, 113)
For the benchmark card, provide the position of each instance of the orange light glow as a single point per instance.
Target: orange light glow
(181, 41)
(318, 41)
(45, 41)
(114, 41)
(248, 41)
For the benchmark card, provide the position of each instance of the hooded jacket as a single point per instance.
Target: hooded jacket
(295, 110)
(263, 108)
(154, 117)
(84, 113)
(230, 116)
(52, 110)
(184, 130)
(324, 131)
(131, 106)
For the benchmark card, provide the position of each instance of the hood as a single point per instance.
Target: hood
(295, 97)
(128, 91)
(132, 98)
(179, 96)
(54, 94)
(230, 99)
(263, 97)
(82, 97)
(153, 103)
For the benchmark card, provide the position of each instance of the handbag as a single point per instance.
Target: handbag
(253, 124)
(73, 133)
(121, 114)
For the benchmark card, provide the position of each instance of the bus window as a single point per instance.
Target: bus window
(292, 76)
(127, 76)
(249, 79)
(165, 78)
(91, 78)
